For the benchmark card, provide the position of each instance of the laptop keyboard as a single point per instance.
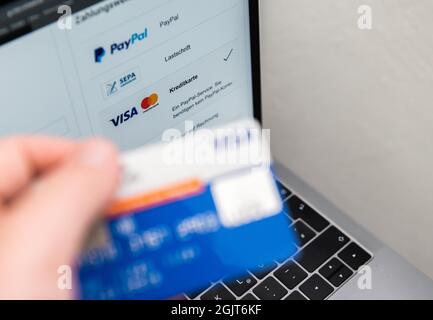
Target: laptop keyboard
(325, 260)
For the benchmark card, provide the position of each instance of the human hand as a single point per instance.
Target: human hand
(51, 191)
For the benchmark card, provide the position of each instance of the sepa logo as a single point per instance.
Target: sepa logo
(123, 81)
(147, 104)
(100, 52)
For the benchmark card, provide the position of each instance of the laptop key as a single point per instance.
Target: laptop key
(303, 232)
(270, 289)
(322, 249)
(300, 210)
(180, 297)
(290, 275)
(296, 296)
(336, 272)
(316, 288)
(354, 256)
(249, 297)
(330, 268)
(218, 293)
(242, 285)
(263, 270)
(341, 276)
(195, 294)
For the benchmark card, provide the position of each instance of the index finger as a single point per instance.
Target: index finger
(23, 157)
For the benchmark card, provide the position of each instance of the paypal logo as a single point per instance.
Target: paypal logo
(121, 46)
(99, 54)
(125, 45)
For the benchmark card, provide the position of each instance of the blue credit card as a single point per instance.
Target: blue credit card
(186, 235)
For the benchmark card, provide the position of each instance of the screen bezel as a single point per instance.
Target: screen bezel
(255, 58)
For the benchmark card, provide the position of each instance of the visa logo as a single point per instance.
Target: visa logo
(124, 117)
(147, 104)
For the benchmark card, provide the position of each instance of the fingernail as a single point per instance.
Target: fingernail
(96, 153)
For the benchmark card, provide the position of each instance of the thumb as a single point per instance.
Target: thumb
(51, 219)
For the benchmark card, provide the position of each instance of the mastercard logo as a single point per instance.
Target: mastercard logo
(150, 102)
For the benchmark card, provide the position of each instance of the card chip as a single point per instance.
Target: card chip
(245, 198)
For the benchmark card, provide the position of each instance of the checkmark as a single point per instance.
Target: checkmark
(228, 57)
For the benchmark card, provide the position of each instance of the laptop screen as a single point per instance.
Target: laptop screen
(123, 69)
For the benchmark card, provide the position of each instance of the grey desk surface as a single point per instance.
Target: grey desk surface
(351, 111)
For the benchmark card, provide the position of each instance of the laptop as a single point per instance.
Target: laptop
(130, 69)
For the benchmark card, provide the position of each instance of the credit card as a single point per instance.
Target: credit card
(190, 212)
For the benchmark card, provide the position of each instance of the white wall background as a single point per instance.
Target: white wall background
(352, 111)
